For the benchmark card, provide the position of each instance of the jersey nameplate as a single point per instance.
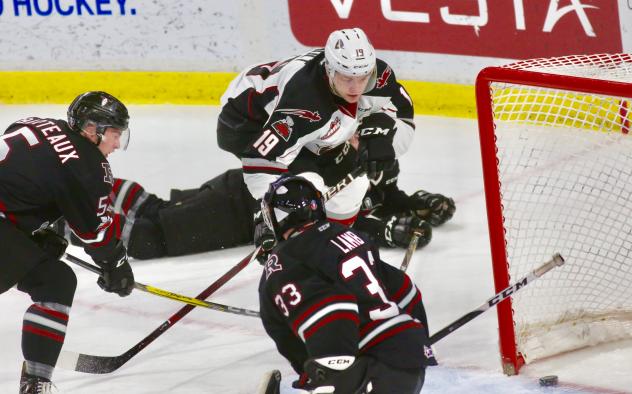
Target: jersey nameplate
(347, 241)
(60, 142)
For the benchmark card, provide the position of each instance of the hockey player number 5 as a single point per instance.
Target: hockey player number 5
(351, 267)
(24, 132)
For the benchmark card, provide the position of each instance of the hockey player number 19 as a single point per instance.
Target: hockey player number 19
(351, 268)
(24, 132)
(266, 142)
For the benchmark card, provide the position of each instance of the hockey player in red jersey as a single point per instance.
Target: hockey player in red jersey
(343, 318)
(299, 115)
(50, 169)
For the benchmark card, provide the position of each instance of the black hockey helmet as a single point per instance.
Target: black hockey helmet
(290, 202)
(103, 110)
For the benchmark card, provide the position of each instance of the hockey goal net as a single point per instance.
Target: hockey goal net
(557, 164)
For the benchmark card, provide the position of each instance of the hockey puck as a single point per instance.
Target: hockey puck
(550, 380)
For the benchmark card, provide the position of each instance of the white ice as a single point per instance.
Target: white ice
(213, 352)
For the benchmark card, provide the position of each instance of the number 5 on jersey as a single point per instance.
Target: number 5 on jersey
(25, 132)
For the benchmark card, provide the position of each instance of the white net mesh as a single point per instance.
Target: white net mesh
(565, 168)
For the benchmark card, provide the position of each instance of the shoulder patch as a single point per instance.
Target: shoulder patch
(272, 265)
(108, 177)
(283, 128)
(381, 80)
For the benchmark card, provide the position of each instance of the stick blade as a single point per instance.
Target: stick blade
(88, 363)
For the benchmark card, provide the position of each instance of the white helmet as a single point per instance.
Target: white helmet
(350, 53)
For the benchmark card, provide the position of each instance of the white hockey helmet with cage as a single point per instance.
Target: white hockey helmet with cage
(349, 52)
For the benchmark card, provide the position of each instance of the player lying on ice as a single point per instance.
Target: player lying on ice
(189, 221)
(343, 318)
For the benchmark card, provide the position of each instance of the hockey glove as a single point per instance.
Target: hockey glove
(264, 237)
(338, 374)
(375, 149)
(435, 208)
(399, 230)
(117, 273)
(53, 244)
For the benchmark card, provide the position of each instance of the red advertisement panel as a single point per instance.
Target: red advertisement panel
(516, 29)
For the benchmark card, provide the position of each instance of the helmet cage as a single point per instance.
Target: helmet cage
(291, 202)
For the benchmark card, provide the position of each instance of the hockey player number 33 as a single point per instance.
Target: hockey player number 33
(24, 132)
(349, 269)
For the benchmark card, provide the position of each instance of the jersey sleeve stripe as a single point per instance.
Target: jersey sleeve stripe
(384, 326)
(328, 319)
(310, 311)
(415, 301)
(266, 170)
(262, 165)
(364, 345)
(125, 198)
(402, 290)
(342, 306)
(409, 297)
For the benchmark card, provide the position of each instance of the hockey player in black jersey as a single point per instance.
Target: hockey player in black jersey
(299, 115)
(52, 169)
(343, 318)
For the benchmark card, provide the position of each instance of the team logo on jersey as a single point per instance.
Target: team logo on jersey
(334, 126)
(312, 116)
(283, 128)
(381, 81)
(272, 265)
(108, 177)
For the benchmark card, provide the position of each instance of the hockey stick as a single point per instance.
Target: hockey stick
(412, 246)
(168, 294)
(344, 182)
(105, 364)
(556, 261)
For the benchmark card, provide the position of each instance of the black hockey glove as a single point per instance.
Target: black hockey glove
(50, 242)
(435, 208)
(375, 150)
(264, 237)
(399, 230)
(117, 274)
(331, 371)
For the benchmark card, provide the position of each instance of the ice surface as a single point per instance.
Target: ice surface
(213, 352)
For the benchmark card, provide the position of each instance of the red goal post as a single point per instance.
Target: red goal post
(553, 137)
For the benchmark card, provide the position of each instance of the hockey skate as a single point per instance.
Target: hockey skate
(30, 384)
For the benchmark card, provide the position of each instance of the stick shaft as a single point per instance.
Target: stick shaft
(104, 364)
(168, 294)
(412, 246)
(557, 260)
